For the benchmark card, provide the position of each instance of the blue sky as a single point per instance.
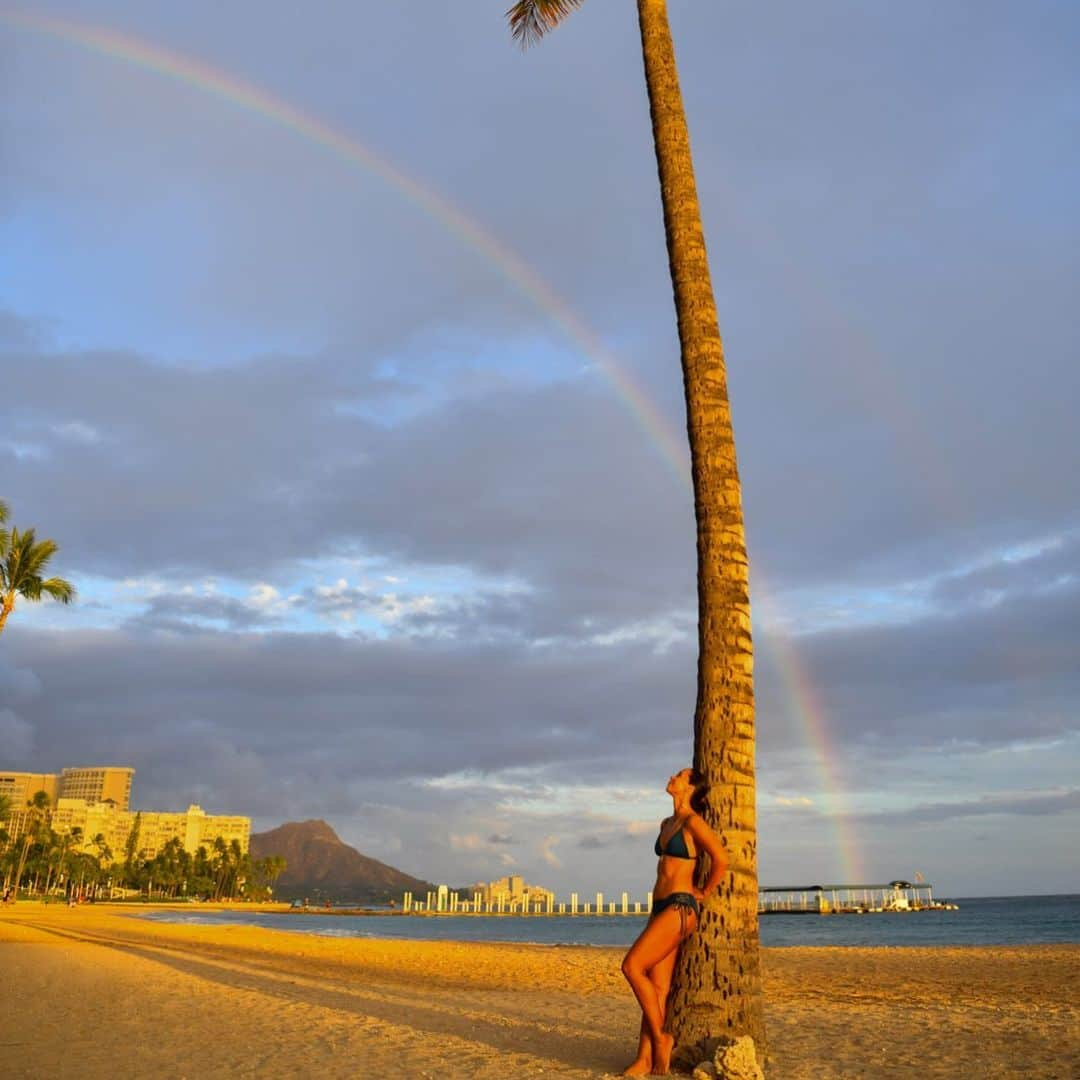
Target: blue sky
(361, 533)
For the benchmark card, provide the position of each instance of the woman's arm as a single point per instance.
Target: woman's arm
(706, 840)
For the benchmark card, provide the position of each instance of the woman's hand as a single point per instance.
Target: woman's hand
(699, 896)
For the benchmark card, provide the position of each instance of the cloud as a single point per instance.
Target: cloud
(468, 842)
(547, 851)
(342, 601)
(184, 612)
(792, 800)
(1022, 803)
(16, 737)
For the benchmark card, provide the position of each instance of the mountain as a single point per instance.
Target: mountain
(320, 865)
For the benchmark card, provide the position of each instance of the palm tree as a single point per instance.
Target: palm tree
(5, 814)
(35, 825)
(101, 846)
(275, 867)
(717, 988)
(131, 845)
(22, 559)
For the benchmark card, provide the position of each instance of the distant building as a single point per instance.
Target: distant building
(512, 889)
(106, 783)
(20, 788)
(194, 828)
(97, 799)
(95, 783)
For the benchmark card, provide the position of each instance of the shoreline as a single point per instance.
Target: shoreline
(103, 992)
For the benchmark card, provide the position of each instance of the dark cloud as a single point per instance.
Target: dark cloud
(184, 613)
(591, 843)
(1024, 804)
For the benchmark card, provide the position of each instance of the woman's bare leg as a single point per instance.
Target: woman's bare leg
(642, 1063)
(658, 941)
(660, 977)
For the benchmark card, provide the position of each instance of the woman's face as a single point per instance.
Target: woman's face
(678, 783)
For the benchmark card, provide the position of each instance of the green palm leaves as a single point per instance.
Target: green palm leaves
(530, 20)
(22, 563)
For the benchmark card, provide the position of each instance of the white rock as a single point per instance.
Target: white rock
(705, 1071)
(736, 1060)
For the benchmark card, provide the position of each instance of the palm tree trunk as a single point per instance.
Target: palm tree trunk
(22, 864)
(7, 606)
(717, 987)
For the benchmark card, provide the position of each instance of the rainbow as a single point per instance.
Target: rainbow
(802, 697)
(253, 99)
(671, 446)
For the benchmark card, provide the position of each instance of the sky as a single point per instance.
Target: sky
(338, 355)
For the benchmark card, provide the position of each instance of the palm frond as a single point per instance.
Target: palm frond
(5, 511)
(530, 20)
(37, 555)
(59, 589)
(22, 559)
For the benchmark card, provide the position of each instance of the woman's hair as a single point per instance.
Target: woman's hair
(700, 799)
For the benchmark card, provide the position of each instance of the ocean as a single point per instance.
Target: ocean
(1005, 920)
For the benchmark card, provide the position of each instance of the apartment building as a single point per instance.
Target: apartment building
(512, 889)
(96, 800)
(193, 827)
(19, 788)
(104, 783)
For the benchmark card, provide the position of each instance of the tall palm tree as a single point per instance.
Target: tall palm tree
(717, 988)
(35, 824)
(102, 849)
(22, 560)
(5, 813)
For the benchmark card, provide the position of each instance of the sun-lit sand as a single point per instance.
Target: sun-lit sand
(94, 992)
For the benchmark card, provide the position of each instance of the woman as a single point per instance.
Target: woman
(676, 906)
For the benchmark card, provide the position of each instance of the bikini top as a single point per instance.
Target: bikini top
(676, 846)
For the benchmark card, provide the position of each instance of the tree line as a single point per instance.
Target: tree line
(44, 863)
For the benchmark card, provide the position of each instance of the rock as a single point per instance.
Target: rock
(705, 1071)
(736, 1060)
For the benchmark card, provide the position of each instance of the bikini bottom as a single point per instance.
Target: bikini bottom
(684, 901)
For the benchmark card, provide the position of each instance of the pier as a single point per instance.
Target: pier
(445, 901)
(896, 896)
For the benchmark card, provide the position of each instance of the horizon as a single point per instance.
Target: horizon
(353, 403)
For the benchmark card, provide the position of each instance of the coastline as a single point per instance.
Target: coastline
(102, 992)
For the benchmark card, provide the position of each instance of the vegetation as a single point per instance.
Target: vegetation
(47, 864)
(22, 559)
(717, 987)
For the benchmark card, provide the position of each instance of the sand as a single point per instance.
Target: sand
(96, 992)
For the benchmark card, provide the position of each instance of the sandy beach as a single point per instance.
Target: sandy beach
(96, 992)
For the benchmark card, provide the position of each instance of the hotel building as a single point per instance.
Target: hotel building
(96, 800)
(21, 787)
(108, 783)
